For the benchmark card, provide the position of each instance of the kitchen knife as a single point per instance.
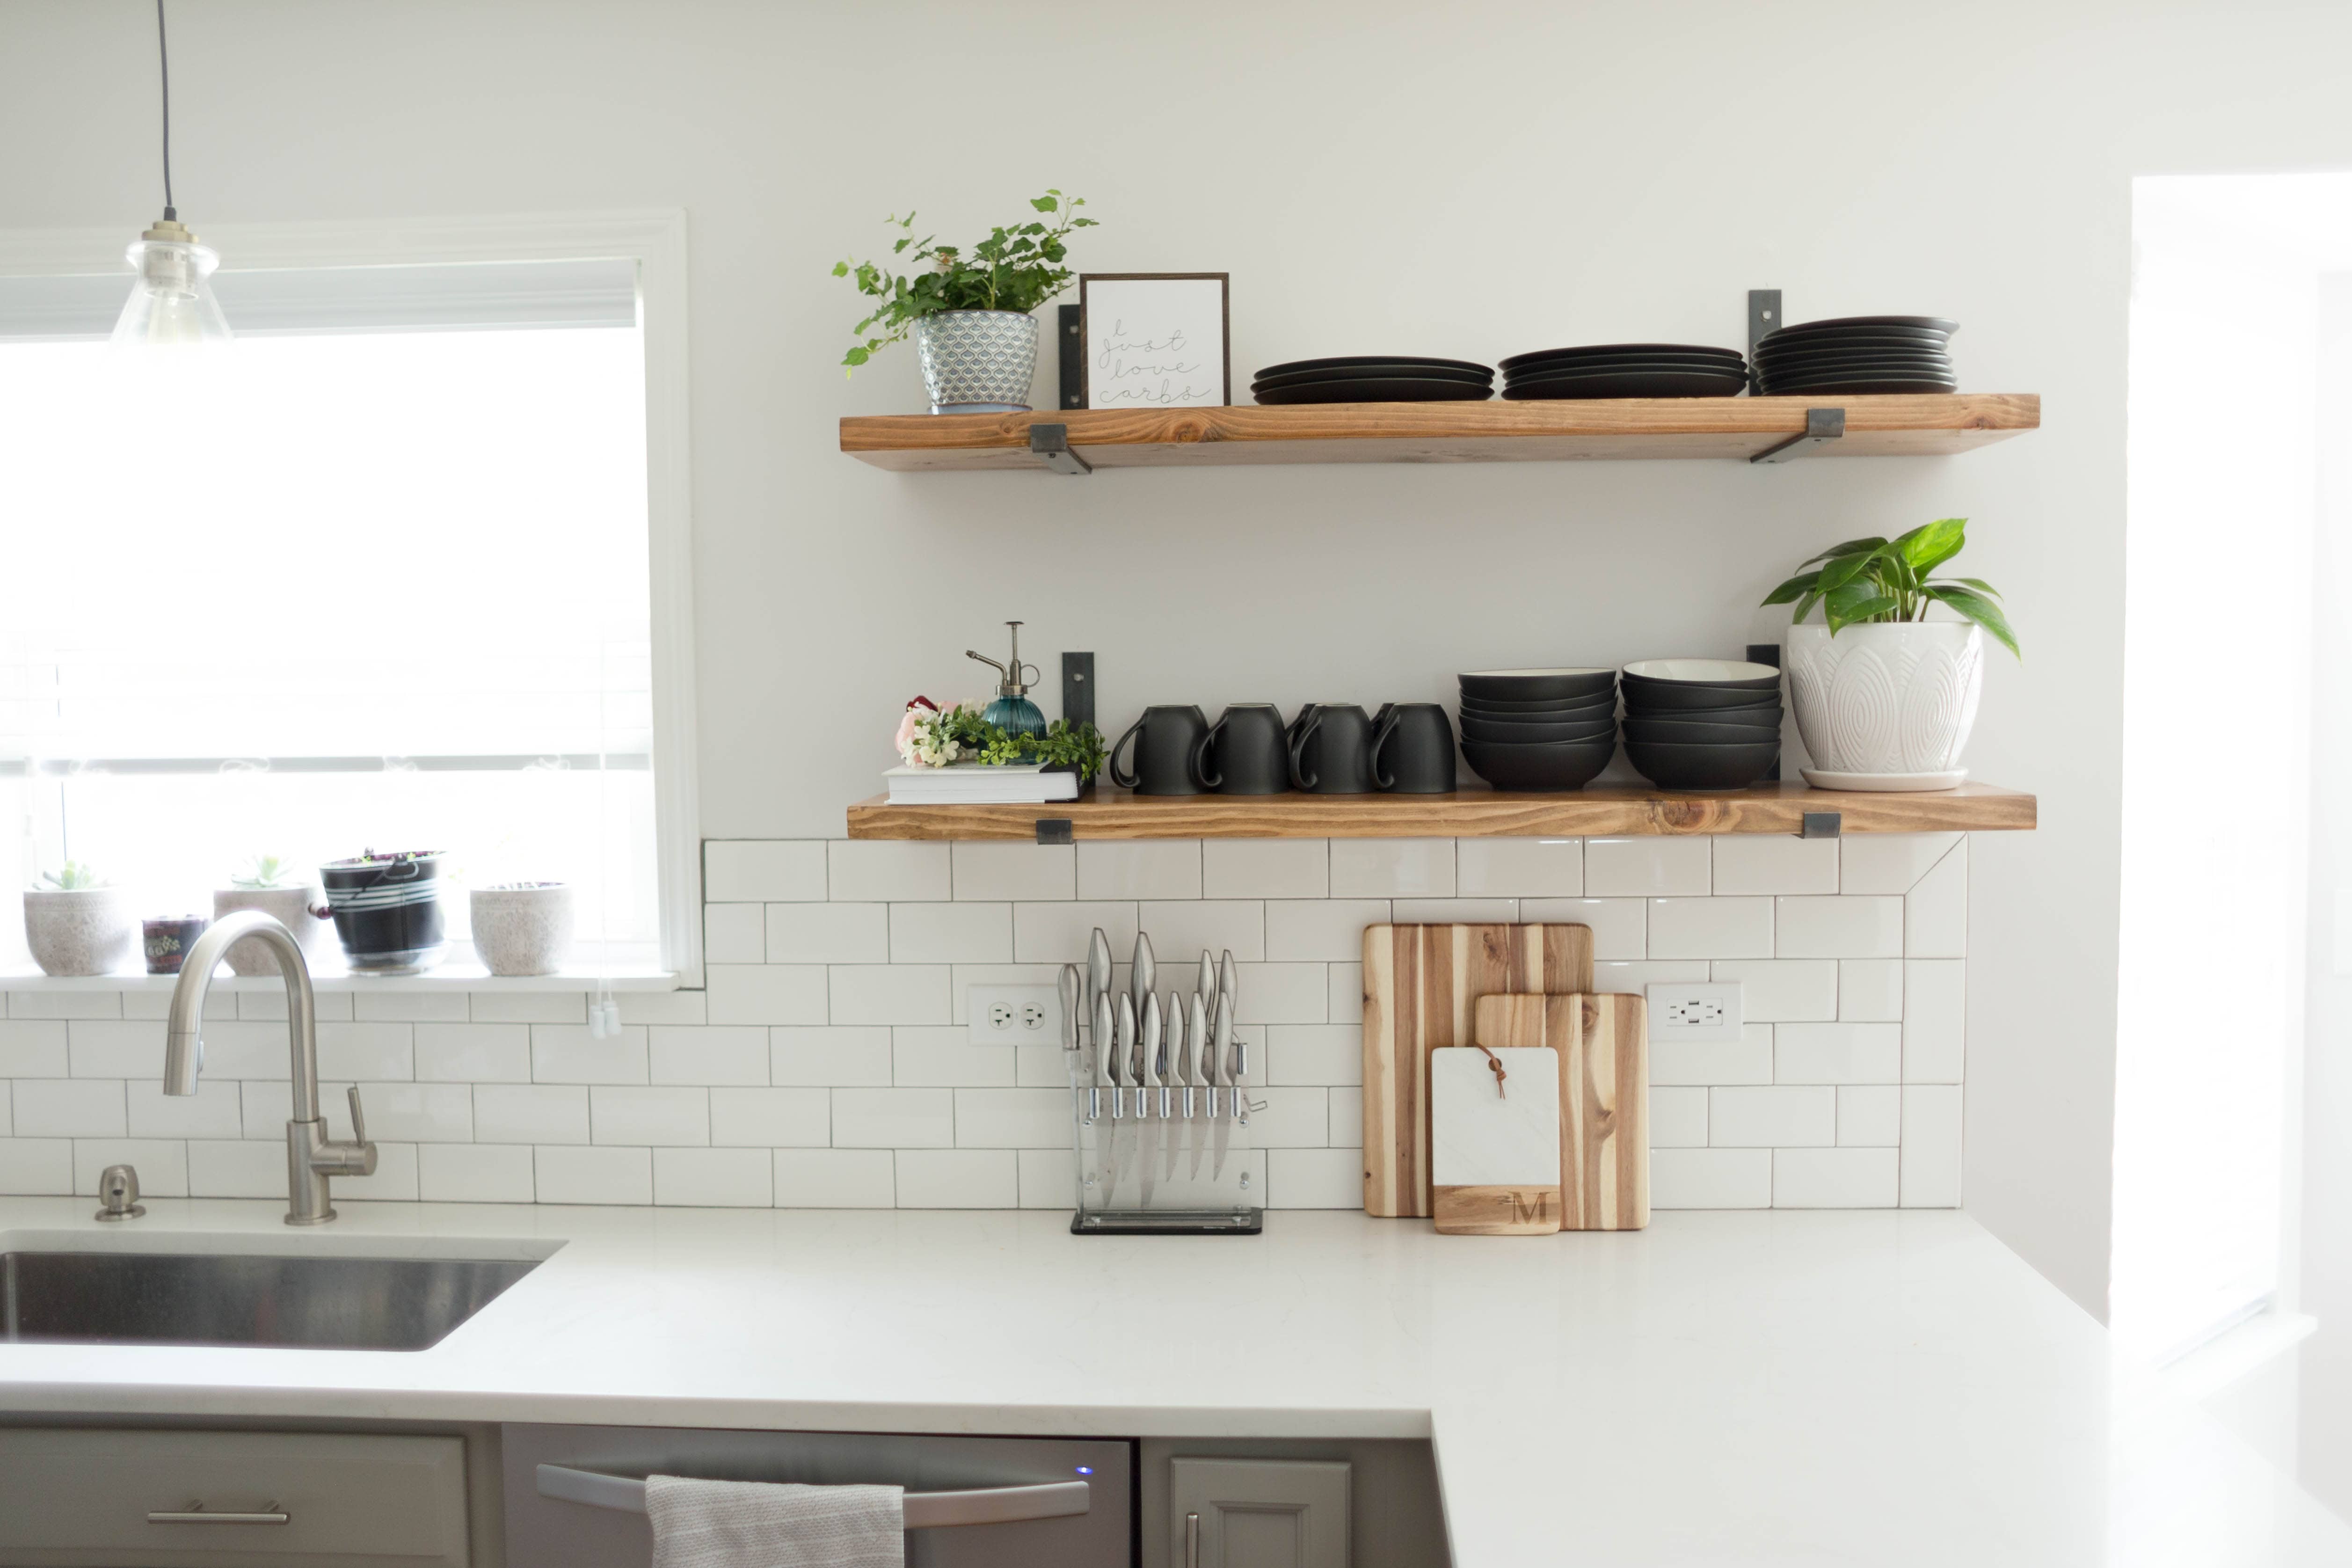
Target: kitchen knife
(1150, 1058)
(1143, 974)
(1122, 1043)
(1220, 1131)
(1068, 990)
(1229, 987)
(1098, 1051)
(1195, 1070)
(1171, 1077)
(1206, 985)
(1097, 969)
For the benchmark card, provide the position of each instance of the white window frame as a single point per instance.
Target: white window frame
(656, 241)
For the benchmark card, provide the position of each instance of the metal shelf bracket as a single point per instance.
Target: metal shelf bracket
(1821, 425)
(1056, 830)
(1823, 825)
(1052, 442)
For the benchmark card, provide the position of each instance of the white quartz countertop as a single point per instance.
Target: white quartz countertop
(1766, 1388)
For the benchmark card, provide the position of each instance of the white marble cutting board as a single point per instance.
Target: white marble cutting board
(1481, 1139)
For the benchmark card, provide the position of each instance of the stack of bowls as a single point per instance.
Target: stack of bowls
(1702, 724)
(1539, 729)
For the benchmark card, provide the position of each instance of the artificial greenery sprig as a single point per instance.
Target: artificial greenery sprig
(1866, 581)
(74, 877)
(1016, 269)
(264, 872)
(937, 737)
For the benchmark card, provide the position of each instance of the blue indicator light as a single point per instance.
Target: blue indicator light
(1085, 1469)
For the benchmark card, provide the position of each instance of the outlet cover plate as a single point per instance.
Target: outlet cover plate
(1694, 1010)
(1013, 1015)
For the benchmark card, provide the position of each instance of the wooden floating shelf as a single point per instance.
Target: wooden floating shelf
(1490, 432)
(1603, 810)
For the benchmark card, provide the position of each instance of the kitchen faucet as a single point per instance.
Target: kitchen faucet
(310, 1156)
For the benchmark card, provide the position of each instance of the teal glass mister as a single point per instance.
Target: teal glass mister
(1011, 712)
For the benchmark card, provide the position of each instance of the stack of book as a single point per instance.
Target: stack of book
(980, 783)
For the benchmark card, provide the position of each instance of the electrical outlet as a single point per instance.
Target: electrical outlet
(1014, 1015)
(1690, 1010)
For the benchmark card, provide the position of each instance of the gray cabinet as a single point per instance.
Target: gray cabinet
(92, 1499)
(1258, 1514)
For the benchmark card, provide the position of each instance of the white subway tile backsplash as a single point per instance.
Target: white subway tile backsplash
(1320, 929)
(1775, 863)
(115, 1047)
(1870, 990)
(959, 1179)
(1292, 1118)
(70, 1107)
(369, 1052)
(1455, 911)
(1748, 1060)
(894, 1118)
(394, 1180)
(529, 1007)
(1783, 990)
(33, 1047)
(714, 1178)
(1520, 868)
(1048, 1178)
(834, 1178)
(43, 1167)
(1931, 1146)
(1643, 867)
(247, 1050)
(1620, 926)
(473, 1053)
(1837, 1053)
(1393, 869)
(1935, 913)
(465, 1173)
(1266, 869)
(886, 871)
(951, 933)
(1710, 928)
(763, 871)
(734, 934)
(1314, 1178)
(1764, 1118)
(1040, 1067)
(244, 1168)
(265, 1005)
(1012, 1118)
(525, 1113)
(65, 1004)
(890, 994)
(1839, 927)
(943, 1056)
(822, 1056)
(1014, 872)
(1833, 1178)
(1637, 974)
(1058, 934)
(1677, 1118)
(1869, 1116)
(771, 1118)
(567, 1053)
(714, 1054)
(827, 933)
(1889, 862)
(1935, 1019)
(593, 1175)
(1179, 931)
(1711, 1178)
(1312, 1054)
(765, 993)
(1344, 1001)
(629, 1115)
(662, 1007)
(1282, 993)
(368, 1006)
(1346, 1122)
(162, 1166)
(214, 1110)
(1140, 868)
(269, 1106)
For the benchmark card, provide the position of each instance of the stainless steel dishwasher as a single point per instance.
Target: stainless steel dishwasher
(575, 1494)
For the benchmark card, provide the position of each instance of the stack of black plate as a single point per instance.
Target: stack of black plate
(1539, 729)
(1374, 378)
(1858, 353)
(1702, 724)
(1626, 370)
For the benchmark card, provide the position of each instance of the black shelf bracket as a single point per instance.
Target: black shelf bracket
(1821, 425)
(1056, 830)
(1763, 317)
(1078, 689)
(1052, 442)
(1818, 825)
(1073, 385)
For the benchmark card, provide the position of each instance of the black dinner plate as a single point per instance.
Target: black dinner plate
(1861, 386)
(1839, 364)
(1344, 361)
(1629, 383)
(1383, 372)
(1825, 342)
(1937, 324)
(1621, 353)
(1631, 362)
(1394, 389)
(1766, 359)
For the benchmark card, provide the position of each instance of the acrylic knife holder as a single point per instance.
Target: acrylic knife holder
(1170, 1160)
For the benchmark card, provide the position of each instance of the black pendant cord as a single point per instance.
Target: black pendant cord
(163, 56)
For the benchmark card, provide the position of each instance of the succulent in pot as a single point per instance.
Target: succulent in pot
(969, 312)
(387, 909)
(522, 927)
(80, 923)
(272, 885)
(1885, 697)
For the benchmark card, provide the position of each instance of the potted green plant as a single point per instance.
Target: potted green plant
(968, 310)
(1884, 696)
(271, 884)
(387, 909)
(80, 923)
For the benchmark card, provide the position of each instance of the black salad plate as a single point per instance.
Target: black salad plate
(1395, 389)
(1345, 361)
(1631, 362)
(1858, 384)
(1387, 370)
(1622, 352)
(1628, 383)
(1937, 324)
(1927, 364)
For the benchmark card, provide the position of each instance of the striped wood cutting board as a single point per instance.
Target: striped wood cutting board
(1422, 985)
(1604, 1098)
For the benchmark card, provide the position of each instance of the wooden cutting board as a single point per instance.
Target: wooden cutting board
(1494, 1142)
(1420, 984)
(1604, 1098)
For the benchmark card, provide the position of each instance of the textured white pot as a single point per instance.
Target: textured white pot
(289, 907)
(978, 361)
(1886, 700)
(524, 928)
(86, 931)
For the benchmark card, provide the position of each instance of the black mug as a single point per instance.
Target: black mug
(1332, 748)
(1165, 757)
(1246, 752)
(1412, 749)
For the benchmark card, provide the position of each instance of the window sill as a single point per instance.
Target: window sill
(446, 977)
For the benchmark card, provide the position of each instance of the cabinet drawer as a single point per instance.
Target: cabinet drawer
(85, 1498)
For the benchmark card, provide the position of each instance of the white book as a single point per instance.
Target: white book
(980, 783)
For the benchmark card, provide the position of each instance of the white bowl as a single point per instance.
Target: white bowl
(1714, 670)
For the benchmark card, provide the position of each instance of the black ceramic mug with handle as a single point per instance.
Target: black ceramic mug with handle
(1412, 749)
(1332, 748)
(1246, 752)
(1167, 744)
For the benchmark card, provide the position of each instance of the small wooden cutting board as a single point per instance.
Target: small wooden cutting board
(1604, 1098)
(1494, 1142)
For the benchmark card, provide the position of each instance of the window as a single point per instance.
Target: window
(381, 575)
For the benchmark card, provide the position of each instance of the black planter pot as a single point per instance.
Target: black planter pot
(388, 912)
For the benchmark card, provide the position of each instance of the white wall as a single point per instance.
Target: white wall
(1468, 180)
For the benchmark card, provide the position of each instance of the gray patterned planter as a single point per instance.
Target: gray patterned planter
(84, 931)
(522, 927)
(978, 361)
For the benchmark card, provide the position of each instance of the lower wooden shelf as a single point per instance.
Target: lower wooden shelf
(1613, 810)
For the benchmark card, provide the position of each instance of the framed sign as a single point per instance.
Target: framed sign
(1155, 340)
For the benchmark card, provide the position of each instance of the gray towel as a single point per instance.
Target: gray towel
(751, 1524)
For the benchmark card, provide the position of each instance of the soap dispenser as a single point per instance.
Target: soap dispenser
(1011, 712)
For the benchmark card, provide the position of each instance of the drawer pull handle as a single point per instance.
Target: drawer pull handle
(924, 1511)
(196, 1513)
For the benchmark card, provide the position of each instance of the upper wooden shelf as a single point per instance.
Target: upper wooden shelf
(1600, 810)
(1493, 431)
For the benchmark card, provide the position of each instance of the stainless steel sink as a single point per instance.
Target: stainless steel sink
(208, 1299)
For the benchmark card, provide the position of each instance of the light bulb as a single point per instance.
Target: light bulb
(170, 303)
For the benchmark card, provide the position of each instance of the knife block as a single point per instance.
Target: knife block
(1164, 1162)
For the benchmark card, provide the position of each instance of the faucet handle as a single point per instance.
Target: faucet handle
(359, 1121)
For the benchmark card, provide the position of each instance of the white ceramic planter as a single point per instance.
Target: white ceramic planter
(522, 927)
(1886, 707)
(86, 931)
(978, 361)
(302, 910)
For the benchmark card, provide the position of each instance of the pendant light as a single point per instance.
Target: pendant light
(172, 303)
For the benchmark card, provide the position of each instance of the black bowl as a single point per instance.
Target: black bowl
(1763, 716)
(1567, 765)
(1679, 731)
(1658, 702)
(1541, 712)
(1476, 729)
(1646, 683)
(1703, 671)
(1536, 685)
(1702, 767)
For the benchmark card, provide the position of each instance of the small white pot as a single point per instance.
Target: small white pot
(86, 931)
(302, 910)
(1893, 703)
(522, 927)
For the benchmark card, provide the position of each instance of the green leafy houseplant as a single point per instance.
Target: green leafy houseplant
(1016, 269)
(1867, 580)
(74, 877)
